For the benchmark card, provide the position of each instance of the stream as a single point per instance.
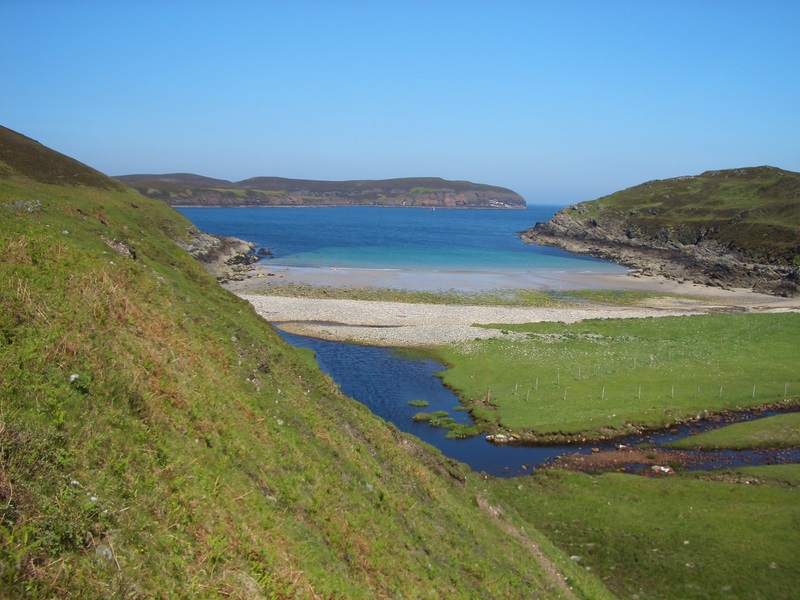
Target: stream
(386, 381)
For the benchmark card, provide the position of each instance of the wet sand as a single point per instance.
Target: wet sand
(432, 280)
(262, 277)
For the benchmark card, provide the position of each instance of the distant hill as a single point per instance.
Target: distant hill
(737, 227)
(186, 189)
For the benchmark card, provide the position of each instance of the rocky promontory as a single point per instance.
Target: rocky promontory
(225, 258)
(184, 189)
(732, 228)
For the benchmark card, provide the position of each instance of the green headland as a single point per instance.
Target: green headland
(729, 228)
(183, 189)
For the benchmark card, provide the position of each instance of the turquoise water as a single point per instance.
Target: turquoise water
(406, 239)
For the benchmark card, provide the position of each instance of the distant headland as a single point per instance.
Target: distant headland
(186, 189)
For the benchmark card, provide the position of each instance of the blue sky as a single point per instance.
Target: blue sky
(560, 101)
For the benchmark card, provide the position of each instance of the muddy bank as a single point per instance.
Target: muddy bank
(648, 454)
(660, 461)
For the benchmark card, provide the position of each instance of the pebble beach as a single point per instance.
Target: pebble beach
(397, 324)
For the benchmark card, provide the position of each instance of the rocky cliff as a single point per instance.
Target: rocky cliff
(732, 228)
(225, 258)
(183, 189)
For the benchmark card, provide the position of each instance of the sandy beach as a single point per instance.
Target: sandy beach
(396, 324)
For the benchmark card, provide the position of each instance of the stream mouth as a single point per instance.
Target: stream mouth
(387, 382)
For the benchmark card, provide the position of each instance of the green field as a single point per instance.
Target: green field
(788, 475)
(780, 431)
(606, 377)
(674, 537)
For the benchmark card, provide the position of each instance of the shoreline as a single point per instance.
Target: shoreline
(401, 324)
(471, 280)
(448, 280)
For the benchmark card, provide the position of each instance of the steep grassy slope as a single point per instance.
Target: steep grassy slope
(158, 439)
(186, 189)
(733, 227)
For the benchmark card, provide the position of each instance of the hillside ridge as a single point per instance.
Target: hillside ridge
(728, 228)
(186, 189)
(159, 439)
(25, 157)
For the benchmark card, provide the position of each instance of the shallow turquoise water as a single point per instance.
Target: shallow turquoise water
(396, 238)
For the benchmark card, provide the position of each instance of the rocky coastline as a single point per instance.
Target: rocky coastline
(661, 253)
(225, 258)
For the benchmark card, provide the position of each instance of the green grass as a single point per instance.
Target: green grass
(439, 418)
(753, 211)
(776, 474)
(780, 431)
(194, 453)
(675, 537)
(605, 377)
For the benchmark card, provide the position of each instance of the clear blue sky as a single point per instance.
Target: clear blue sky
(561, 101)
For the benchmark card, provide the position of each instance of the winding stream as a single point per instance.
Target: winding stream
(386, 381)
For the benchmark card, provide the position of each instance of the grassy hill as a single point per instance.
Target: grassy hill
(158, 439)
(736, 227)
(185, 189)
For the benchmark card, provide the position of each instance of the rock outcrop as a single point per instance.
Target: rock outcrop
(225, 258)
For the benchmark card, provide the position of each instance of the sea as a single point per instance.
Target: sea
(422, 248)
